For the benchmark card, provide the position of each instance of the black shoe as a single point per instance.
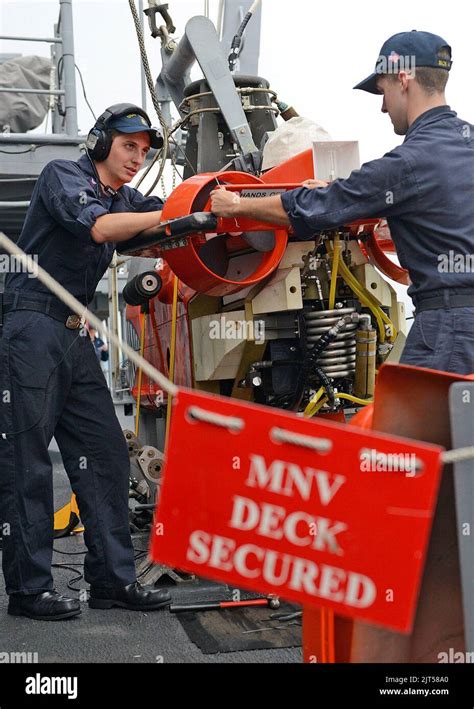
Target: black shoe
(134, 597)
(43, 606)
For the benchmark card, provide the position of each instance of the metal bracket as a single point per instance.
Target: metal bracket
(201, 43)
(150, 462)
(150, 12)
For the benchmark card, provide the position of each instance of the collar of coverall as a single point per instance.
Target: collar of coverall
(432, 113)
(84, 163)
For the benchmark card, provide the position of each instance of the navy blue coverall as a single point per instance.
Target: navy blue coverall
(425, 189)
(52, 385)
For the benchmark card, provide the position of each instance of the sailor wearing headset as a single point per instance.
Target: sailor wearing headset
(51, 381)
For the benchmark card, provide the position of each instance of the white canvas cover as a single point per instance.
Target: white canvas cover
(293, 137)
(20, 112)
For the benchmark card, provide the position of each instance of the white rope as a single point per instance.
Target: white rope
(81, 310)
(230, 422)
(458, 455)
(322, 445)
(254, 6)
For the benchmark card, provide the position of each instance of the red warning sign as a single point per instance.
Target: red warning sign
(316, 512)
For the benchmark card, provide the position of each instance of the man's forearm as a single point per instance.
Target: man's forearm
(123, 225)
(266, 209)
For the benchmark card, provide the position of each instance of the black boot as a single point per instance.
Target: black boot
(134, 597)
(49, 605)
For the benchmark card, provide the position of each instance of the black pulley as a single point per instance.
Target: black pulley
(142, 288)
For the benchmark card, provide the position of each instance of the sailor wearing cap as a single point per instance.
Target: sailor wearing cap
(424, 188)
(78, 212)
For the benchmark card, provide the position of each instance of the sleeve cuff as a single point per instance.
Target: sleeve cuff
(298, 223)
(89, 215)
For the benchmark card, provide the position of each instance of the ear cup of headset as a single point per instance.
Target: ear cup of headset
(98, 144)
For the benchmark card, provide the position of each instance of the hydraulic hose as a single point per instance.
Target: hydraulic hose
(311, 358)
(366, 298)
(334, 273)
(237, 41)
(355, 399)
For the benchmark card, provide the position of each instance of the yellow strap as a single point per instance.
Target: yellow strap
(308, 412)
(319, 405)
(140, 374)
(174, 319)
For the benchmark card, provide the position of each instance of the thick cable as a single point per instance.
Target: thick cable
(151, 88)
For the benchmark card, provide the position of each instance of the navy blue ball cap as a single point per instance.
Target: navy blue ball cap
(408, 51)
(134, 123)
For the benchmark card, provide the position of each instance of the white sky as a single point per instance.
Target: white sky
(312, 57)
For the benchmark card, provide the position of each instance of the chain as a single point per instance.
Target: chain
(175, 172)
